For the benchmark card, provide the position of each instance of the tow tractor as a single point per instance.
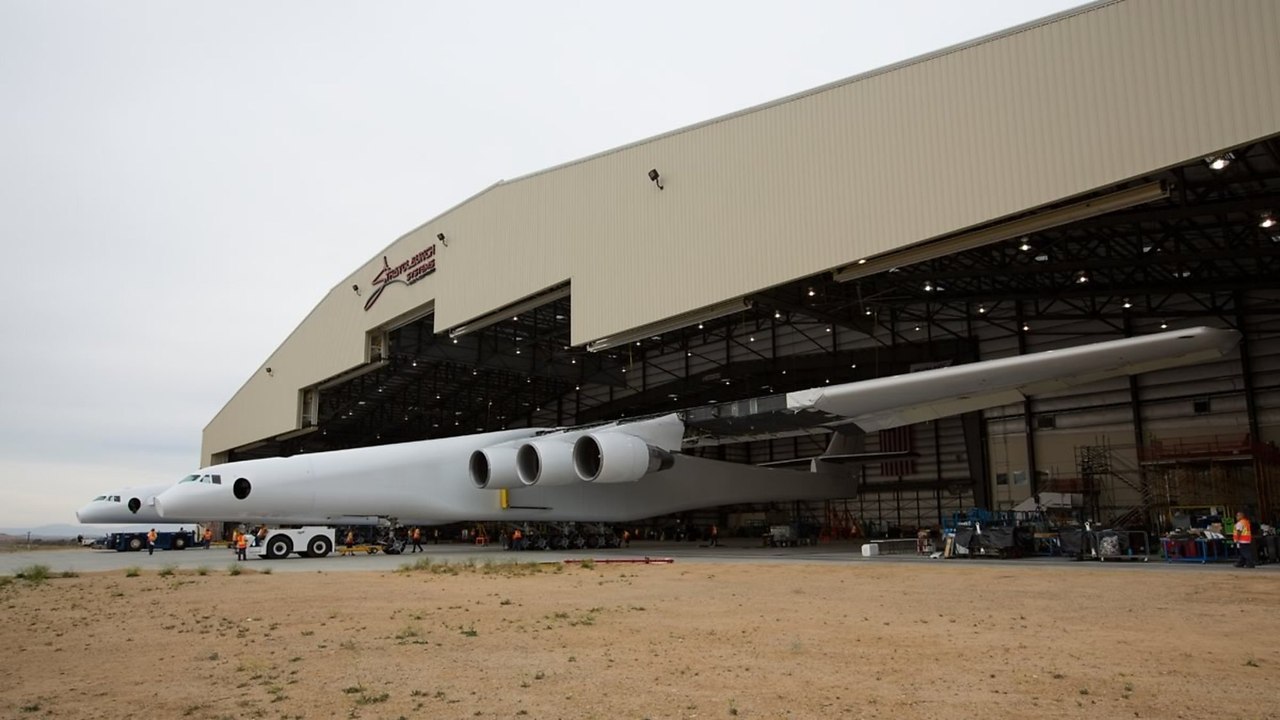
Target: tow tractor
(307, 541)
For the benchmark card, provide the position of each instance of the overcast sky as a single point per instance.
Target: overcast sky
(182, 182)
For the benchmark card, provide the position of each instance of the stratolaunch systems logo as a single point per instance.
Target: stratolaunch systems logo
(422, 264)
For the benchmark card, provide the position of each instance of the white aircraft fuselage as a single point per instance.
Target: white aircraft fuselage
(425, 482)
(632, 470)
(124, 505)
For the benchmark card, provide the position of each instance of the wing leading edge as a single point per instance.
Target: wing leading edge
(931, 394)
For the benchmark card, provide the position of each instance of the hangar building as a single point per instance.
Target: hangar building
(1105, 172)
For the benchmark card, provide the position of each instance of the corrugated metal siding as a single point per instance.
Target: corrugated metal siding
(817, 181)
(871, 165)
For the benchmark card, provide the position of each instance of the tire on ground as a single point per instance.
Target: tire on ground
(319, 546)
(279, 546)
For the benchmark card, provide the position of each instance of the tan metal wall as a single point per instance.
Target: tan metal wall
(812, 182)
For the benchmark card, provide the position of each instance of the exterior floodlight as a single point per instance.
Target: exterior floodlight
(656, 178)
(440, 237)
(356, 288)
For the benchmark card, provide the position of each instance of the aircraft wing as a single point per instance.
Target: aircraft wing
(897, 400)
(625, 470)
(840, 459)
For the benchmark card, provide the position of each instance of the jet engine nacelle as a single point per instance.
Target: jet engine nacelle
(615, 457)
(546, 462)
(494, 468)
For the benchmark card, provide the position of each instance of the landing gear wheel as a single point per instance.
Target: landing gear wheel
(279, 547)
(319, 547)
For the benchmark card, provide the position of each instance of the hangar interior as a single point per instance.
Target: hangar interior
(1205, 253)
(1193, 243)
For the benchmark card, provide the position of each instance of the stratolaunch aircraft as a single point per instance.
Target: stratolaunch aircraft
(630, 470)
(126, 505)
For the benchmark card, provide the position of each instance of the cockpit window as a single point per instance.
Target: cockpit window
(217, 479)
(100, 497)
(114, 498)
(189, 478)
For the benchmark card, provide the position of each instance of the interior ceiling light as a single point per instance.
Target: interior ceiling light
(1268, 221)
(1025, 246)
(1219, 162)
(1025, 327)
(512, 311)
(1081, 278)
(673, 323)
(928, 286)
(1127, 304)
(982, 309)
(1034, 223)
(1164, 326)
(811, 292)
(1042, 257)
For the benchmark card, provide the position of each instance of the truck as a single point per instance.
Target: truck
(135, 541)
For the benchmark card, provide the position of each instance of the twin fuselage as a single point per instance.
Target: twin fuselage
(612, 473)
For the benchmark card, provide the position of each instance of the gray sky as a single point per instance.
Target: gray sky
(181, 182)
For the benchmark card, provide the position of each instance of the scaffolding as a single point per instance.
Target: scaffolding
(1224, 471)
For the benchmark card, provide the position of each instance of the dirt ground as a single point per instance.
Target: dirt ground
(859, 640)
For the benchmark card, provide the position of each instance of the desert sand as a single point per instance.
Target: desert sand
(858, 640)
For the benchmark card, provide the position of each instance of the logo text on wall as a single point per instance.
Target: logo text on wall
(422, 264)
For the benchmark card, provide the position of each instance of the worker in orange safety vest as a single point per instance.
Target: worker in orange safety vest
(1243, 536)
(242, 546)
